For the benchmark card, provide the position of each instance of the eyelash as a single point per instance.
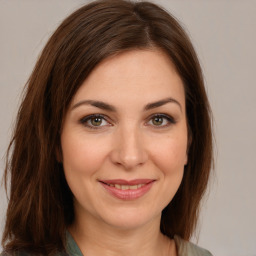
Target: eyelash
(84, 121)
(170, 120)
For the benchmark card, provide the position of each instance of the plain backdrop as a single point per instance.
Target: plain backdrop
(224, 35)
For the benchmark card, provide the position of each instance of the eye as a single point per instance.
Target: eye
(161, 120)
(95, 121)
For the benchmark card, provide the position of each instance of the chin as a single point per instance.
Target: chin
(130, 220)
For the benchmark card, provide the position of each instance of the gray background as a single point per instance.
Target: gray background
(224, 35)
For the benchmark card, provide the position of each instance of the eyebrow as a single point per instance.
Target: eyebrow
(95, 103)
(108, 107)
(161, 103)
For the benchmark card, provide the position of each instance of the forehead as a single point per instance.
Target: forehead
(136, 74)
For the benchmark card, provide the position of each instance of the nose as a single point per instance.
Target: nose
(128, 148)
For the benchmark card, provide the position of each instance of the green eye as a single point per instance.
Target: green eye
(96, 121)
(161, 120)
(157, 120)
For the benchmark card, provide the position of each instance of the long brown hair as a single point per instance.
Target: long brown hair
(41, 205)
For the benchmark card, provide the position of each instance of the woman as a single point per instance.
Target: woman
(112, 148)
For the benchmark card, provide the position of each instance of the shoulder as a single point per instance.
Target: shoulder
(4, 253)
(71, 247)
(186, 248)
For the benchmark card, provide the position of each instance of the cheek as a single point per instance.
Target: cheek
(81, 155)
(82, 159)
(169, 158)
(171, 154)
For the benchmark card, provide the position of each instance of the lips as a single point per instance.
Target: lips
(125, 187)
(127, 190)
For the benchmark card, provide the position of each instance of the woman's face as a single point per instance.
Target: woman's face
(124, 139)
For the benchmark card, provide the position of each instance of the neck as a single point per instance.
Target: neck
(94, 238)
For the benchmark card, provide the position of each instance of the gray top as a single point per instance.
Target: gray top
(184, 248)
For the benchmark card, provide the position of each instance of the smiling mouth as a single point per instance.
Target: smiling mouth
(126, 187)
(127, 190)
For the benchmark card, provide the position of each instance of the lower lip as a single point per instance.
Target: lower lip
(128, 194)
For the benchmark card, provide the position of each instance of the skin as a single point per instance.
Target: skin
(128, 143)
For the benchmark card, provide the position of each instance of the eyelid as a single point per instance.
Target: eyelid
(171, 120)
(85, 119)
